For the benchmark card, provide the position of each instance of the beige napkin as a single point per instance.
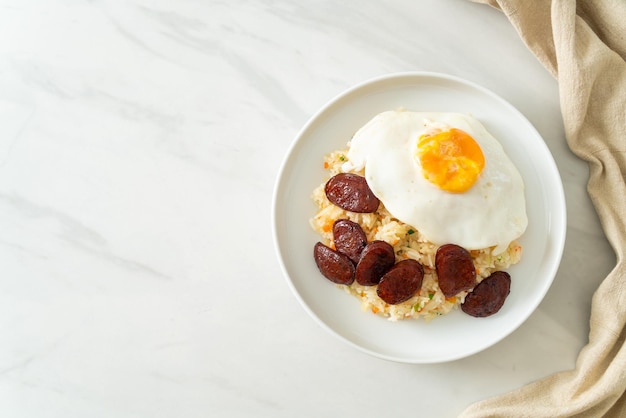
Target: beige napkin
(583, 44)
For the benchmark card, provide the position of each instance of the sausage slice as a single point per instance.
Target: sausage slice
(488, 296)
(377, 257)
(351, 192)
(401, 282)
(455, 269)
(349, 238)
(333, 265)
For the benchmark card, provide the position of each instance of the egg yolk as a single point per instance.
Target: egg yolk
(451, 160)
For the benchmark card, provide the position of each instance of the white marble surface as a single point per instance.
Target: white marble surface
(139, 145)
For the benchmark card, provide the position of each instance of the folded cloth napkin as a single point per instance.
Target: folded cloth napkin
(583, 44)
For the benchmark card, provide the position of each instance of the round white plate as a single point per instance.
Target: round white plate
(448, 337)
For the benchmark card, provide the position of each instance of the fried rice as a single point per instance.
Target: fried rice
(429, 302)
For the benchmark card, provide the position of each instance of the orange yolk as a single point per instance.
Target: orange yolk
(451, 160)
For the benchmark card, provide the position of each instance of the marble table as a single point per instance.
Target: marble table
(139, 145)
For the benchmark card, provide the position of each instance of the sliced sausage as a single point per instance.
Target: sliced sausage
(488, 296)
(349, 238)
(376, 259)
(455, 269)
(401, 282)
(333, 265)
(351, 192)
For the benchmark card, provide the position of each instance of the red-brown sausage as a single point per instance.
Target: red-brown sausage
(351, 192)
(401, 282)
(333, 265)
(488, 296)
(455, 269)
(376, 259)
(349, 238)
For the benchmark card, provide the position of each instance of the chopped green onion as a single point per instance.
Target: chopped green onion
(342, 158)
(410, 232)
(430, 296)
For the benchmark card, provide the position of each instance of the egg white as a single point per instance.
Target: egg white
(492, 213)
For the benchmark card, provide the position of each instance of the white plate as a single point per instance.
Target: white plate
(455, 335)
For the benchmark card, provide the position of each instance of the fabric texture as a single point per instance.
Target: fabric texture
(583, 44)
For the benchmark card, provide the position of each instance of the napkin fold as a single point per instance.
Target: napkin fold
(583, 44)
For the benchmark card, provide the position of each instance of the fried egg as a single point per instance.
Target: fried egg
(443, 174)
